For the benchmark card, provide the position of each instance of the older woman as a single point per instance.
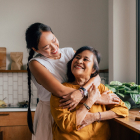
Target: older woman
(88, 120)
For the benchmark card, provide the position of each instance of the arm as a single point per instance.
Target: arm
(64, 119)
(81, 113)
(47, 80)
(92, 117)
(107, 98)
(120, 108)
(107, 115)
(68, 120)
(113, 111)
(96, 80)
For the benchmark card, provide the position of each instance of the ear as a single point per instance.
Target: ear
(34, 49)
(93, 71)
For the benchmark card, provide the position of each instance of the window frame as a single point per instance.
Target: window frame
(138, 42)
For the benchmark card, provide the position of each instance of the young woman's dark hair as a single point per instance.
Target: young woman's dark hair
(96, 60)
(33, 34)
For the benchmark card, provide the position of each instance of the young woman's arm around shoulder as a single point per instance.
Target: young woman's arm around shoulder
(50, 83)
(47, 80)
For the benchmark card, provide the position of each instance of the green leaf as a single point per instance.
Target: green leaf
(129, 84)
(115, 83)
(110, 88)
(123, 87)
(128, 105)
(134, 87)
(136, 98)
(120, 94)
(132, 92)
(138, 88)
(127, 88)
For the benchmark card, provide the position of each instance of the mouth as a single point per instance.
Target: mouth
(78, 67)
(54, 52)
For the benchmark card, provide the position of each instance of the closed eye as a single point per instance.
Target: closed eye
(77, 57)
(54, 40)
(86, 59)
(47, 47)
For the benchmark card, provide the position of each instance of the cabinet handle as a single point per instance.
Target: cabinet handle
(4, 114)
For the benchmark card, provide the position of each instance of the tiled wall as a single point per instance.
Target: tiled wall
(14, 87)
(104, 77)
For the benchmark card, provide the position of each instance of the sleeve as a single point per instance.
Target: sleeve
(64, 119)
(119, 109)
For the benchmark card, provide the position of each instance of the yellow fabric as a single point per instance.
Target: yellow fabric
(64, 127)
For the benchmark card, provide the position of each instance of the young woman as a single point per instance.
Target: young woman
(48, 70)
(88, 121)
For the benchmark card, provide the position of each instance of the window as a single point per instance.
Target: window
(138, 41)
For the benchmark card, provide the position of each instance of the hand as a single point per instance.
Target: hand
(93, 93)
(71, 100)
(90, 118)
(106, 98)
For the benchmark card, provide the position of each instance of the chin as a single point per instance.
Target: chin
(77, 73)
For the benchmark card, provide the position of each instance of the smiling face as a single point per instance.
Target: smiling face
(48, 46)
(82, 64)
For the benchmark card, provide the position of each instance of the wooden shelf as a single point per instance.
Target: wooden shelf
(13, 71)
(103, 71)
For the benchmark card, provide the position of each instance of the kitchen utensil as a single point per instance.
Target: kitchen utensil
(2, 103)
(2, 58)
(23, 104)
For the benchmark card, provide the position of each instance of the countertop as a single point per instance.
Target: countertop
(129, 121)
(16, 109)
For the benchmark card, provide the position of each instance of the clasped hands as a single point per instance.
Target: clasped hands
(72, 100)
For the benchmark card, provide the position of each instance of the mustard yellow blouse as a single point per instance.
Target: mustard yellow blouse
(64, 127)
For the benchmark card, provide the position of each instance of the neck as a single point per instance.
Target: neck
(81, 80)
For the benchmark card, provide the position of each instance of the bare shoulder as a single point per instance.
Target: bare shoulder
(35, 65)
(39, 71)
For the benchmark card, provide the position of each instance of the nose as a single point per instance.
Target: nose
(80, 60)
(53, 47)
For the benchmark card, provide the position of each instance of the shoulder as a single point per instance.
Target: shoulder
(40, 60)
(36, 62)
(38, 57)
(68, 51)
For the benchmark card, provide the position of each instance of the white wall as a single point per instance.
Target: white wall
(74, 22)
(122, 40)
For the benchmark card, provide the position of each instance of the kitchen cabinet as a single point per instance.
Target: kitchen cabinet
(13, 126)
(126, 128)
(1, 136)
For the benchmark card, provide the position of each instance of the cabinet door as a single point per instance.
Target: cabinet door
(16, 133)
(1, 135)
